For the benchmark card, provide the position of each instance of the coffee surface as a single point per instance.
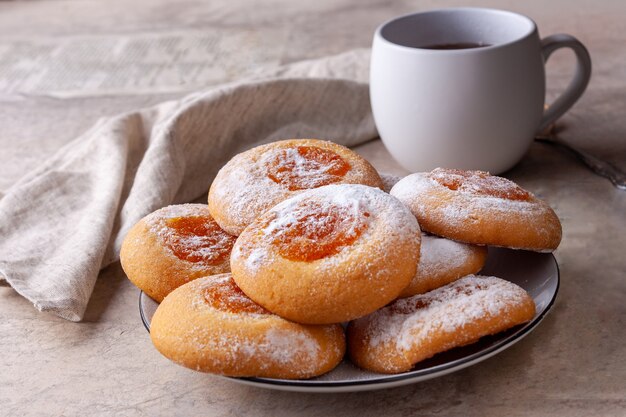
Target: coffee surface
(459, 45)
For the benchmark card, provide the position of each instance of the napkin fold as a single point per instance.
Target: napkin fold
(63, 222)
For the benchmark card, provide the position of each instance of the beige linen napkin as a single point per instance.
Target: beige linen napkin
(60, 224)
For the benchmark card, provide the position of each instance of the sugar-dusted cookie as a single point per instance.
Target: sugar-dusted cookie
(172, 246)
(209, 325)
(396, 337)
(475, 207)
(254, 181)
(443, 261)
(328, 255)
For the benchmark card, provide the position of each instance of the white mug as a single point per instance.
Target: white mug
(465, 87)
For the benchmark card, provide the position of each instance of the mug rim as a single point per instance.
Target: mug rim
(528, 34)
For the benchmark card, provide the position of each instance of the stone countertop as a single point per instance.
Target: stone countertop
(574, 363)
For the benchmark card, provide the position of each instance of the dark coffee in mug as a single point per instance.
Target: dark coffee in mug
(460, 45)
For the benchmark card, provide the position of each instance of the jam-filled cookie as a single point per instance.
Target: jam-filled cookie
(328, 255)
(475, 207)
(172, 246)
(443, 261)
(396, 337)
(258, 179)
(209, 325)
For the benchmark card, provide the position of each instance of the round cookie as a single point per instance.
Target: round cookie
(328, 255)
(258, 179)
(209, 325)
(396, 337)
(172, 246)
(443, 261)
(475, 207)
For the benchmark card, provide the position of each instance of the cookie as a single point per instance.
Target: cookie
(258, 179)
(443, 261)
(478, 208)
(209, 325)
(328, 255)
(396, 337)
(172, 246)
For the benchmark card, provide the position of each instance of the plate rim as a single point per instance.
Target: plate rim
(391, 380)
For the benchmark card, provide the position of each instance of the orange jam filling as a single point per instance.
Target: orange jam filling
(305, 167)
(481, 183)
(408, 308)
(198, 239)
(318, 231)
(227, 296)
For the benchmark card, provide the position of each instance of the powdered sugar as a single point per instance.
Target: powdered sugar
(201, 243)
(361, 210)
(290, 349)
(304, 167)
(437, 254)
(222, 294)
(283, 344)
(246, 189)
(350, 198)
(478, 217)
(207, 249)
(254, 258)
(454, 208)
(254, 181)
(313, 229)
(448, 309)
(242, 190)
(176, 210)
(479, 183)
(414, 187)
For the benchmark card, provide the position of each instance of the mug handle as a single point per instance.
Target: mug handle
(581, 78)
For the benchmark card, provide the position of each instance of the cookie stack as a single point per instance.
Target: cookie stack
(299, 239)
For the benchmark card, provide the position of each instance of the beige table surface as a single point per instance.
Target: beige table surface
(573, 364)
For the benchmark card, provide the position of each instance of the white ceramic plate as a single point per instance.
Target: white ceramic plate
(537, 273)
